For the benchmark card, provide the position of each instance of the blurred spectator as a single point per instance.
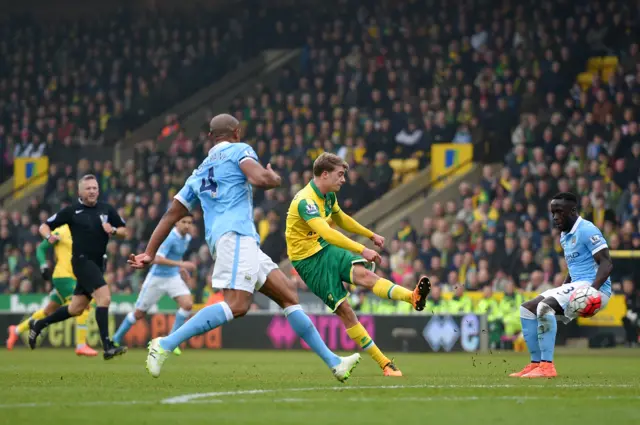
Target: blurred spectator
(631, 321)
(376, 82)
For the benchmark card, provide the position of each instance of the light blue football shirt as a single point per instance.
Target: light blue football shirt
(173, 248)
(224, 192)
(582, 242)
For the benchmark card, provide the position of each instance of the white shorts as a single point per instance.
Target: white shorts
(240, 264)
(563, 293)
(154, 287)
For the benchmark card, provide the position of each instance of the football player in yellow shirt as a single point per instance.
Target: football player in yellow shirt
(325, 258)
(64, 282)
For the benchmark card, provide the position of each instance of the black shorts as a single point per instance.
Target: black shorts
(89, 273)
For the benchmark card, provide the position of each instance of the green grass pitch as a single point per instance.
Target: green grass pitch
(53, 386)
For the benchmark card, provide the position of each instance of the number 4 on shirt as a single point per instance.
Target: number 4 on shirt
(209, 184)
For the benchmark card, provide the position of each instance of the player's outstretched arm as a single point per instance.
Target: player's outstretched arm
(264, 178)
(332, 236)
(348, 223)
(174, 214)
(605, 267)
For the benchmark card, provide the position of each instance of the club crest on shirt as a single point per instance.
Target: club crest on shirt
(312, 209)
(573, 241)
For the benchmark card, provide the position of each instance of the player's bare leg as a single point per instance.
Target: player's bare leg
(15, 331)
(386, 289)
(360, 336)
(280, 289)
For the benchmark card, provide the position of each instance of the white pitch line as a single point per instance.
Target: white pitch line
(411, 399)
(207, 398)
(187, 398)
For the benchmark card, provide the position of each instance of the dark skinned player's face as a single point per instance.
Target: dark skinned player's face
(564, 214)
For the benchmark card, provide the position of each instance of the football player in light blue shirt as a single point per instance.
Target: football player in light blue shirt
(589, 264)
(222, 185)
(166, 276)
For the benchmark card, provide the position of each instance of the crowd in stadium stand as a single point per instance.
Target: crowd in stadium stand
(374, 83)
(88, 83)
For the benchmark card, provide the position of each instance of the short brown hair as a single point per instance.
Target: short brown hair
(328, 162)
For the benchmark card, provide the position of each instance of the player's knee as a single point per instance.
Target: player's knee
(240, 310)
(288, 297)
(76, 309)
(187, 305)
(364, 277)
(543, 309)
(103, 300)
(526, 312)
(139, 314)
(531, 306)
(239, 307)
(50, 308)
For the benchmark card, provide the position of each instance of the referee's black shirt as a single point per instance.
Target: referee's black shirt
(85, 222)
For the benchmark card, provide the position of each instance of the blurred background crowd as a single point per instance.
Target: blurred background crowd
(550, 89)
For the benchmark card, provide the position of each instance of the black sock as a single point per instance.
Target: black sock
(61, 314)
(102, 317)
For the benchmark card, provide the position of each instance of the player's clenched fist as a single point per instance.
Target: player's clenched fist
(371, 256)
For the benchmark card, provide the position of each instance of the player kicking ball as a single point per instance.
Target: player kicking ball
(325, 258)
(64, 282)
(587, 255)
(164, 278)
(222, 185)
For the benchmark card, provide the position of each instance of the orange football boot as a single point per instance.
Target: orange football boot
(545, 370)
(391, 370)
(528, 368)
(420, 294)
(85, 350)
(13, 337)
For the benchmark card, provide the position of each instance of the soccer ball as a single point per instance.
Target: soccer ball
(585, 301)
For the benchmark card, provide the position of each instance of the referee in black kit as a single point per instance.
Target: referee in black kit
(91, 224)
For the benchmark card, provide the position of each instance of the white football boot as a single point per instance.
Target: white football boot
(156, 357)
(342, 372)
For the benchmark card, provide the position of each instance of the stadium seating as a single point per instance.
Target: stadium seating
(88, 83)
(379, 85)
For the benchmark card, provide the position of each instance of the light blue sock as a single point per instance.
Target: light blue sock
(530, 332)
(205, 320)
(129, 320)
(303, 326)
(547, 329)
(181, 317)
